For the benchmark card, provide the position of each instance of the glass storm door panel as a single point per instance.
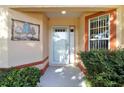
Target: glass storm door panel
(60, 45)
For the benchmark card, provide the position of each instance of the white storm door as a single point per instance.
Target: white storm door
(60, 40)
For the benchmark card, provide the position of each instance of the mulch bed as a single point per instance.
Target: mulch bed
(4, 69)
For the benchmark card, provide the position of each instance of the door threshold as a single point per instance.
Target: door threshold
(61, 65)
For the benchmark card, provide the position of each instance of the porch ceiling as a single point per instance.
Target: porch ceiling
(58, 9)
(55, 11)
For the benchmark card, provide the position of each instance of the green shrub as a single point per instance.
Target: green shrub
(105, 68)
(20, 77)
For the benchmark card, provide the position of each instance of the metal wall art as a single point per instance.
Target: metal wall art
(26, 31)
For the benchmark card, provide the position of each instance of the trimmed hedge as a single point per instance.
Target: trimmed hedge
(25, 77)
(105, 68)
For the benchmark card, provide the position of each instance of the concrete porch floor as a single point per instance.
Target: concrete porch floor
(62, 76)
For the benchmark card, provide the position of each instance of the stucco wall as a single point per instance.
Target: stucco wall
(44, 30)
(24, 52)
(81, 37)
(3, 38)
(120, 26)
(45, 36)
(14, 53)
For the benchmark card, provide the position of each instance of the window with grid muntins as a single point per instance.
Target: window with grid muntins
(99, 32)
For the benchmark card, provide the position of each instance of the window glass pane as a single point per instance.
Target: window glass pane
(99, 32)
(91, 45)
(106, 44)
(91, 34)
(95, 36)
(91, 25)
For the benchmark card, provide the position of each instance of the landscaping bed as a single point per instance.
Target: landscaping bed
(105, 68)
(25, 77)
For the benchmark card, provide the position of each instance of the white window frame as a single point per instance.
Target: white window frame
(98, 26)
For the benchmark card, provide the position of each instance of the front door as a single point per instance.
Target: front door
(62, 45)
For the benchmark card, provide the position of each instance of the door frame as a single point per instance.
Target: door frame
(51, 45)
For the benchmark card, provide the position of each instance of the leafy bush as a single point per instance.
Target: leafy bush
(105, 68)
(20, 77)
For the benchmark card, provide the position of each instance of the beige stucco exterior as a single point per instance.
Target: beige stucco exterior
(14, 53)
(120, 26)
(3, 38)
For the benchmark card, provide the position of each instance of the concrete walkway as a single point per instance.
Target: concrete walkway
(62, 76)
